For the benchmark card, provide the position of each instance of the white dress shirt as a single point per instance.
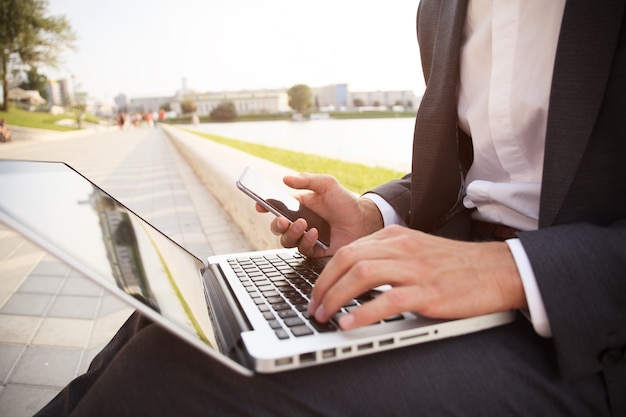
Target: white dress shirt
(507, 61)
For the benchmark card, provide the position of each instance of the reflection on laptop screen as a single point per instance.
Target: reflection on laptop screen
(82, 221)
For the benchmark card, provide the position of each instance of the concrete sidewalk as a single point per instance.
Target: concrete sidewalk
(53, 320)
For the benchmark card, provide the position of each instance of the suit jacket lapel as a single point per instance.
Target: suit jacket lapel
(582, 66)
(436, 172)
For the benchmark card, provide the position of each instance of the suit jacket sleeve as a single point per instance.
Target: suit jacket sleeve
(398, 194)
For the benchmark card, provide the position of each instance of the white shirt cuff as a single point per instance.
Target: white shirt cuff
(389, 214)
(536, 309)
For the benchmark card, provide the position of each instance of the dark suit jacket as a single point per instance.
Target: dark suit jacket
(579, 252)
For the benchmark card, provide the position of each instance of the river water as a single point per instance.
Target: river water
(374, 142)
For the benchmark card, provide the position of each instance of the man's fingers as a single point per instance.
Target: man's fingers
(290, 233)
(387, 304)
(279, 225)
(353, 270)
(299, 182)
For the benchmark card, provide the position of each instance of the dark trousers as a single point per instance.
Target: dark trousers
(505, 371)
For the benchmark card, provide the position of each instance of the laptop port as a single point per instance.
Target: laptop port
(385, 342)
(307, 357)
(283, 361)
(329, 353)
(365, 346)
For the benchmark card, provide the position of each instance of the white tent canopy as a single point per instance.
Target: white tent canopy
(26, 96)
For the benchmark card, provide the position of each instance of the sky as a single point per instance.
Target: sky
(144, 48)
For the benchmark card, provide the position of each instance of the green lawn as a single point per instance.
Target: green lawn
(356, 177)
(19, 117)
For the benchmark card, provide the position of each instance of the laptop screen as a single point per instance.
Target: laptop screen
(71, 217)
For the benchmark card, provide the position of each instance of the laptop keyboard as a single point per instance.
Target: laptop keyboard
(281, 285)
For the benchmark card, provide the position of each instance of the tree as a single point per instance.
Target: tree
(300, 97)
(358, 102)
(35, 81)
(27, 32)
(224, 112)
(188, 105)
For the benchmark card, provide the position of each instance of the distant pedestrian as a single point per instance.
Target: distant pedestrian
(195, 120)
(147, 117)
(121, 120)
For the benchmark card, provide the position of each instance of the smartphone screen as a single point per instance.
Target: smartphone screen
(278, 201)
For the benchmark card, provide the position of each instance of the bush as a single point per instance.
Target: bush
(225, 112)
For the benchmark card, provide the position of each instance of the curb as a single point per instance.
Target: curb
(218, 167)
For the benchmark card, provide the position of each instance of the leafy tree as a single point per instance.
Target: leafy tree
(300, 97)
(35, 81)
(188, 106)
(224, 112)
(27, 31)
(358, 102)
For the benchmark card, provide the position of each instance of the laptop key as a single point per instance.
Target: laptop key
(294, 321)
(275, 324)
(283, 314)
(275, 300)
(281, 306)
(282, 334)
(302, 307)
(302, 330)
(322, 327)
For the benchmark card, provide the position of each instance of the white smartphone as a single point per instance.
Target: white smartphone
(278, 201)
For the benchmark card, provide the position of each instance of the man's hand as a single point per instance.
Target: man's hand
(429, 275)
(350, 217)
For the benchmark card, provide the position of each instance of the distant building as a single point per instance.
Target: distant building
(59, 93)
(389, 99)
(147, 104)
(334, 97)
(103, 110)
(54, 93)
(245, 101)
(331, 97)
(67, 91)
(121, 102)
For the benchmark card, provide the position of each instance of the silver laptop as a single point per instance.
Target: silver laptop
(247, 310)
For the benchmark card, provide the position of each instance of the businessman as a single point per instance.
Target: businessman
(516, 200)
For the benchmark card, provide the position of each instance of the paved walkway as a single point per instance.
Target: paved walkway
(53, 321)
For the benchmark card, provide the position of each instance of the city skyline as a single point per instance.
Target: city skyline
(141, 49)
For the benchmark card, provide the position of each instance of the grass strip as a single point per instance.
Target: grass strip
(356, 177)
(19, 117)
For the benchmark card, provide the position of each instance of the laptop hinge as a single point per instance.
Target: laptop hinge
(225, 315)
